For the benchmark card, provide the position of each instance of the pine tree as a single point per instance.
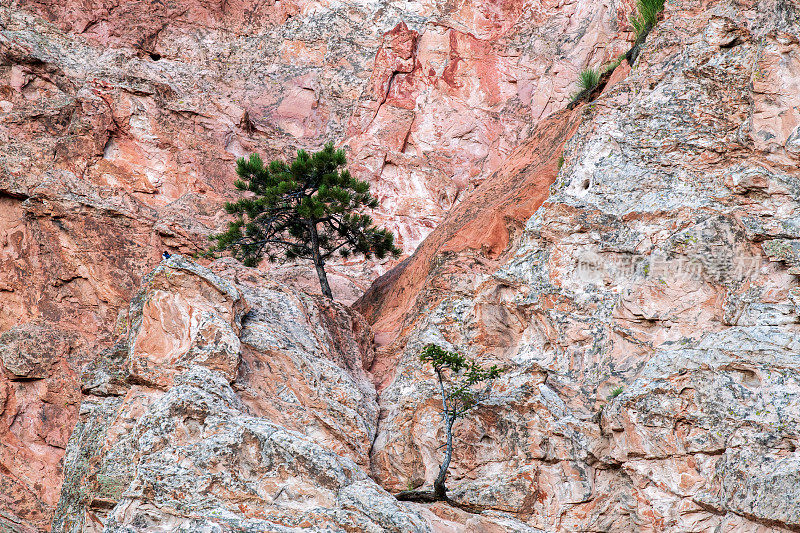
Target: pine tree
(463, 384)
(307, 209)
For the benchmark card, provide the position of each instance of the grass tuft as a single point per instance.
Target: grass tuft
(646, 16)
(614, 393)
(588, 79)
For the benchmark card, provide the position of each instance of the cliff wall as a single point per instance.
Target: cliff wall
(633, 261)
(121, 123)
(646, 302)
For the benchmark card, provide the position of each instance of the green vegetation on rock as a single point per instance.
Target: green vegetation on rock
(310, 208)
(646, 16)
(463, 384)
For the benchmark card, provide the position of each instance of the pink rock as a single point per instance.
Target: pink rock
(121, 125)
(184, 320)
(39, 399)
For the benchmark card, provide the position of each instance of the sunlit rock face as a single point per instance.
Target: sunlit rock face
(120, 124)
(646, 305)
(428, 96)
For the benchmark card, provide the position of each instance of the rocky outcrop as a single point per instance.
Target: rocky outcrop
(633, 262)
(200, 462)
(178, 431)
(120, 123)
(647, 308)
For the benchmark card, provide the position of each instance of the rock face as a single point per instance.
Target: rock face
(632, 261)
(39, 399)
(429, 97)
(647, 309)
(120, 123)
(177, 432)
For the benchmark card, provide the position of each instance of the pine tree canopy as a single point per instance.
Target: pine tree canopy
(310, 208)
(458, 376)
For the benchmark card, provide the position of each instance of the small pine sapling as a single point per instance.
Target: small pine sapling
(464, 385)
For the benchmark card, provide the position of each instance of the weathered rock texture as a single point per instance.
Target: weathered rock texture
(39, 399)
(120, 123)
(429, 96)
(663, 262)
(177, 432)
(642, 289)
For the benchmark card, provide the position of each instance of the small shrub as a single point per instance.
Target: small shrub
(614, 393)
(560, 162)
(464, 385)
(587, 80)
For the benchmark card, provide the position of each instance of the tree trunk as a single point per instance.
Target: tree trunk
(319, 263)
(439, 489)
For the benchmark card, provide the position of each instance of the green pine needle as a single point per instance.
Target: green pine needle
(311, 193)
(646, 16)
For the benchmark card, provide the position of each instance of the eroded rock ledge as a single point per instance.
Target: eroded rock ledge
(228, 405)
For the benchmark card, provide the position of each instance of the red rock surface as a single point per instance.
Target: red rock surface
(120, 123)
(478, 232)
(646, 310)
(39, 400)
(234, 396)
(119, 126)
